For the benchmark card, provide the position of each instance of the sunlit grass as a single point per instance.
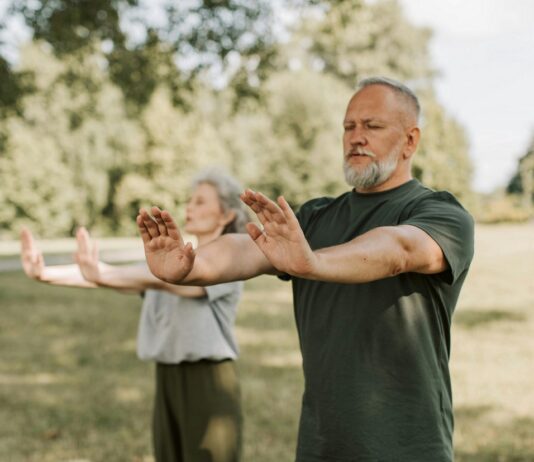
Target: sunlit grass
(493, 349)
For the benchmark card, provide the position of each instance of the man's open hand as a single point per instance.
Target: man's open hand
(281, 240)
(167, 256)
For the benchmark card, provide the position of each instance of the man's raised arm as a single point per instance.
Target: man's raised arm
(230, 257)
(380, 253)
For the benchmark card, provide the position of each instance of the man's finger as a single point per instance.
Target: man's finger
(267, 214)
(254, 231)
(189, 251)
(145, 235)
(162, 228)
(252, 203)
(249, 198)
(271, 210)
(150, 224)
(289, 215)
(246, 195)
(261, 216)
(267, 203)
(172, 229)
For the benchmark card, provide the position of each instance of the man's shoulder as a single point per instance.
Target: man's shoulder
(426, 198)
(322, 201)
(317, 202)
(316, 206)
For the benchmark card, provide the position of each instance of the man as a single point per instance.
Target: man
(376, 276)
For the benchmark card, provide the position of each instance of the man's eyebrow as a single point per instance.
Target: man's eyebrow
(374, 119)
(366, 120)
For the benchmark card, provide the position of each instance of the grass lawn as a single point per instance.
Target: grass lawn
(72, 389)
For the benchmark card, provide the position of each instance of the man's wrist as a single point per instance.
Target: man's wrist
(310, 269)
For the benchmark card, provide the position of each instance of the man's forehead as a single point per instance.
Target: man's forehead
(375, 102)
(364, 111)
(368, 116)
(374, 95)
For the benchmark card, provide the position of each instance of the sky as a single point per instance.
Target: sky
(484, 50)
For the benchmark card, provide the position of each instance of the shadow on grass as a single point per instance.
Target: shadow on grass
(471, 318)
(488, 441)
(71, 422)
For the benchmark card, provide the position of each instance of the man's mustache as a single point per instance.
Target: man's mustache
(360, 152)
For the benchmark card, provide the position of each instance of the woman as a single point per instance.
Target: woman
(187, 331)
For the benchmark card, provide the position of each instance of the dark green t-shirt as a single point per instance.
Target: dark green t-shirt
(375, 355)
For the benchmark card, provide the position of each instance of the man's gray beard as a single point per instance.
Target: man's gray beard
(373, 175)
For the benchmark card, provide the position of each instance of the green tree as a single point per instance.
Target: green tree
(122, 125)
(14, 86)
(442, 160)
(291, 143)
(522, 183)
(86, 137)
(231, 39)
(355, 39)
(178, 144)
(40, 197)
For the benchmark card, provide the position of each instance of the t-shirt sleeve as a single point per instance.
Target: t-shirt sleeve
(442, 217)
(225, 289)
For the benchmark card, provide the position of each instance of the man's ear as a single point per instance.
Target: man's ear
(412, 140)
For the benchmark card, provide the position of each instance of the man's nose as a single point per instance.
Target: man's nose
(357, 137)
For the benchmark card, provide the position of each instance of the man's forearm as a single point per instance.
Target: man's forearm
(231, 257)
(379, 254)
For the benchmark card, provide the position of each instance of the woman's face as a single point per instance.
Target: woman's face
(204, 215)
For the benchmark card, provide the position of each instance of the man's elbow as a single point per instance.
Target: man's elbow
(417, 254)
(429, 261)
(400, 264)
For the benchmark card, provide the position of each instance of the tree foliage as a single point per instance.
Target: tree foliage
(81, 135)
(442, 159)
(297, 149)
(522, 183)
(354, 39)
(112, 124)
(228, 38)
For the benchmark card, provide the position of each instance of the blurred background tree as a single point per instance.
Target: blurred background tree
(114, 104)
(145, 44)
(442, 159)
(354, 39)
(522, 183)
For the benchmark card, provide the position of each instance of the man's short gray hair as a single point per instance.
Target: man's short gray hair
(228, 190)
(397, 87)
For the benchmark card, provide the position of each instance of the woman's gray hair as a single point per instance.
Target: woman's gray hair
(228, 190)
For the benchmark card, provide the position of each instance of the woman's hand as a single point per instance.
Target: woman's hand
(31, 257)
(87, 256)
